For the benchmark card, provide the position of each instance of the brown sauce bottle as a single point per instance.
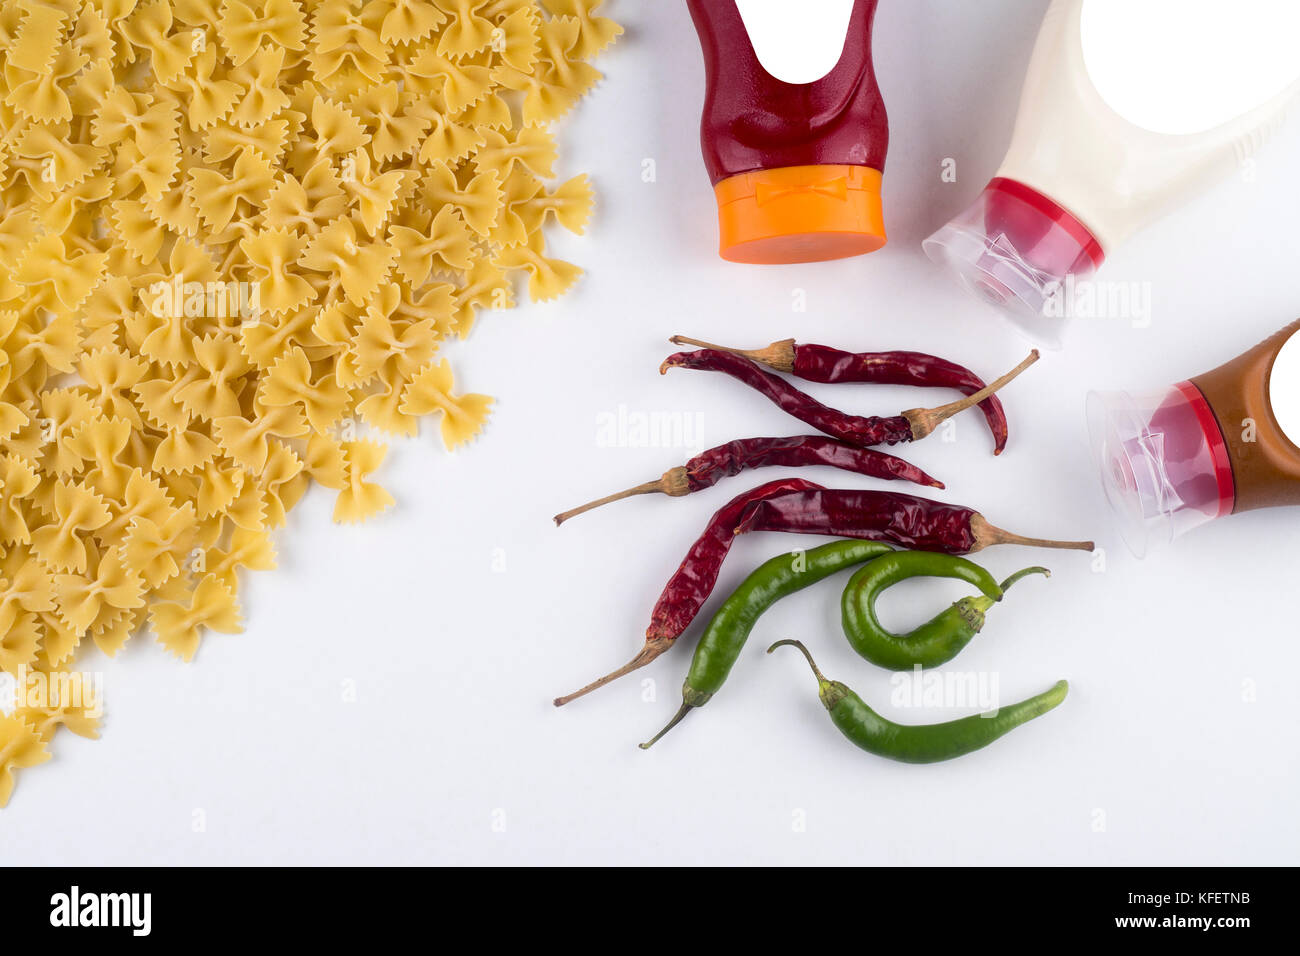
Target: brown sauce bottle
(1265, 462)
(1223, 442)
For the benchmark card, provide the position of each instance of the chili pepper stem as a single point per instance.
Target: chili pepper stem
(821, 678)
(778, 355)
(1023, 573)
(926, 420)
(987, 535)
(671, 482)
(677, 719)
(653, 648)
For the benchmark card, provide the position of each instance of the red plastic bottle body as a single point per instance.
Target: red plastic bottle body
(800, 164)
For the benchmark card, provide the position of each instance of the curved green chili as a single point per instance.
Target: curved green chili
(922, 743)
(942, 637)
(726, 634)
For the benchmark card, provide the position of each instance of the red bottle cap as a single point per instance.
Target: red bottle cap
(1018, 249)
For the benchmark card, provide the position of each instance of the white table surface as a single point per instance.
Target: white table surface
(390, 700)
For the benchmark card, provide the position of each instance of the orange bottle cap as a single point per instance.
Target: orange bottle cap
(800, 214)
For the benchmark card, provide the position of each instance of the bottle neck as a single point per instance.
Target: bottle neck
(1216, 444)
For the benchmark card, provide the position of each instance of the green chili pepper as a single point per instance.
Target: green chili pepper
(942, 637)
(727, 632)
(922, 743)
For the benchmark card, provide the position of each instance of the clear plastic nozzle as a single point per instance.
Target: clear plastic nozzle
(1015, 248)
(1163, 462)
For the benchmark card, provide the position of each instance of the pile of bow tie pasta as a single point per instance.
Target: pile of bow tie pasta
(233, 236)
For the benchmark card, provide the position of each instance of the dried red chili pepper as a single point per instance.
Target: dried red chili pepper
(911, 425)
(709, 467)
(693, 581)
(820, 363)
(905, 520)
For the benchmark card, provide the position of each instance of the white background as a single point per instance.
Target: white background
(1155, 757)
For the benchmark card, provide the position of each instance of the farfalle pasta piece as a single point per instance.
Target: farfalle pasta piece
(218, 197)
(247, 549)
(262, 97)
(491, 112)
(595, 33)
(358, 268)
(334, 130)
(20, 747)
(532, 146)
(265, 341)
(184, 450)
(409, 20)
(308, 203)
(157, 398)
(458, 85)
(486, 287)
(478, 201)
(291, 381)
(62, 163)
(210, 99)
(463, 416)
(392, 349)
(41, 96)
(347, 39)
(111, 635)
(179, 625)
(449, 141)
(82, 597)
(445, 245)
(12, 420)
(281, 484)
(519, 44)
(467, 31)
(361, 498)
(62, 413)
(571, 204)
(48, 265)
(150, 27)
(248, 442)
(40, 31)
(25, 585)
(382, 408)
(326, 461)
(271, 253)
(36, 348)
(548, 278)
(57, 698)
(397, 129)
(268, 138)
(247, 25)
(374, 194)
(164, 333)
(562, 77)
(155, 548)
(110, 373)
(61, 545)
(141, 234)
(101, 444)
(144, 497)
(20, 639)
(512, 227)
(144, 129)
(18, 481)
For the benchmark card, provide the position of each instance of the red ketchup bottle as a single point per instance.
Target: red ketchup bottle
(796, 166)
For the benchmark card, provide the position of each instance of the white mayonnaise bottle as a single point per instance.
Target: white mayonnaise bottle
(1129, 106)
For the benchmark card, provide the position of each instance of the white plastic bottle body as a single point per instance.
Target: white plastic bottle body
(1115, 176)
(1129, 107)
